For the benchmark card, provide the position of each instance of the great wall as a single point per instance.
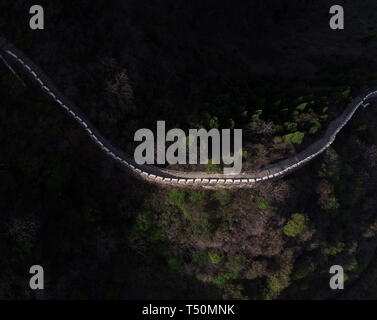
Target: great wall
(177, 178)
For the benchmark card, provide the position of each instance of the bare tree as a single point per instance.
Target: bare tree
(262, 127)
(118, 84)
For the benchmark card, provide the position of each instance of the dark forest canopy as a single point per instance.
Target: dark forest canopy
(273, 68)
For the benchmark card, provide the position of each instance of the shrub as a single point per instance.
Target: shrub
(236, 265)
(156, 235)
(296, 225)
(299, 99)
(330, 204)
(347, 170)
(256, 115)
(202, 229)
(222, 196)
(294, 138)
(261, 202)
(302, 106)
(175, 263)
(212, 168)
(200, 257)
(324, 172)
(303, 269)
(278, 282)
(176, 197)
(290, 126)
(196, 195)
(335, 248)
(371, 230)
(353, 265)
(346, 92)
(144, 221)
(224, 278)
(316, 125)
(215, 258)
(187, 214)
(214, 122)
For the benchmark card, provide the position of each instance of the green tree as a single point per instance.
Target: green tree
(330, 204)
(303, 268)
(176, 197)
(222, 196)
(215, 258)
(212, 168)
(294, 138)
(197, 195)
(175, 263)
(261, 202)
(224, 278)
(278, 282)
(302, 106)
(295, 225)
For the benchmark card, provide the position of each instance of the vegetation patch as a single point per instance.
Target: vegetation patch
(224, 197)
(213, 168)
(296, 225)
(294, 138)
(215, 258)
(261, 202)
(197, 195)
(175, 263)
(177, 198)
(225, 278)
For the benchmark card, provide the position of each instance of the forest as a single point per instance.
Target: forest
(274, 69)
